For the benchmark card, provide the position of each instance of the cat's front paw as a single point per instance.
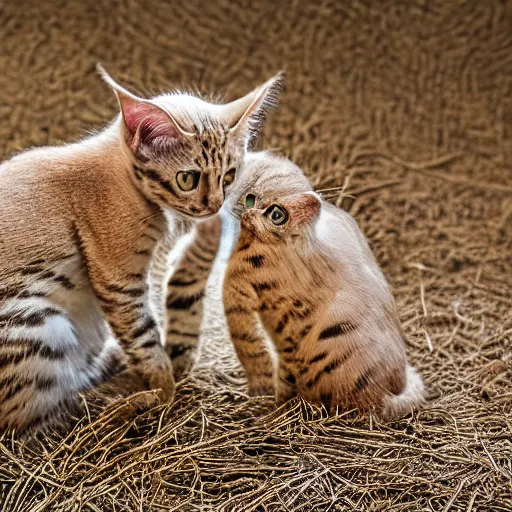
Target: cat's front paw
(183, 358)
(163, 380)
(158, 375)
(285, 393)
(261, 388)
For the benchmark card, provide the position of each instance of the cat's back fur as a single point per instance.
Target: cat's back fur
(88, 178)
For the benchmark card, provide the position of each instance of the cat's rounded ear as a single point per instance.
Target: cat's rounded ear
(245, 116)
(304, 207)
(145, 123)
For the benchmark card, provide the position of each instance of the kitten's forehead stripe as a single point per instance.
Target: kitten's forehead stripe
(205, 157)
(214, 145)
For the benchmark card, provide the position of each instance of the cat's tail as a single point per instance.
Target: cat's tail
(409, 399)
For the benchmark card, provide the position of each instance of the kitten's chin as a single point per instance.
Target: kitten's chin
(198, 217)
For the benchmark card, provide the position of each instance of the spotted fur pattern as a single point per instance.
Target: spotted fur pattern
(78, 229)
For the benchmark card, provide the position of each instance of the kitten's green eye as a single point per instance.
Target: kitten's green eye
(187, 180)
(277, 214)
(250, 200)
(229, 177)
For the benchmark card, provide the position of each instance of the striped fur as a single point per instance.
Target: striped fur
(315, 286)
(79, 225)
(178, 277)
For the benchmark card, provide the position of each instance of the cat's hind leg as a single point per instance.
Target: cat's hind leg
(43, 365)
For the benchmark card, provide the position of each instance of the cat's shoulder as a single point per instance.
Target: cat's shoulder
(34, 159)
(332, 220)
(337, 229)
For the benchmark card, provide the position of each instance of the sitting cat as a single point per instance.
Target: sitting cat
(261, 176)
(303, 268)
(78, 227)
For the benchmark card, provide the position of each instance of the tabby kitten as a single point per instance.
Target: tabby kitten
(78, 227)
(304, 270)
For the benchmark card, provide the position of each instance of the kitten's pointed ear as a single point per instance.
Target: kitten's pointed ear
(246, 115)
(146, 123)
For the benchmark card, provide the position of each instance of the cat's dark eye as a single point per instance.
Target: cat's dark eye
(277, 214)
(187, 180)
(229, 177)
(250, 200)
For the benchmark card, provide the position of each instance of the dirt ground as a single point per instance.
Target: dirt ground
(405, 105)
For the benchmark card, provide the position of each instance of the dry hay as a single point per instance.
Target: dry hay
(403, 112)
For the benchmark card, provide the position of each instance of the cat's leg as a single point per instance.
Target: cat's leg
(241, 309)
(159, 274)
(121, 287)
(185, 292)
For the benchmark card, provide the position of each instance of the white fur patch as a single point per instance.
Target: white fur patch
(412, 396)
(323, 226)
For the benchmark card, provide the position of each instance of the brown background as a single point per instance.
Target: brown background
(407, 103)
